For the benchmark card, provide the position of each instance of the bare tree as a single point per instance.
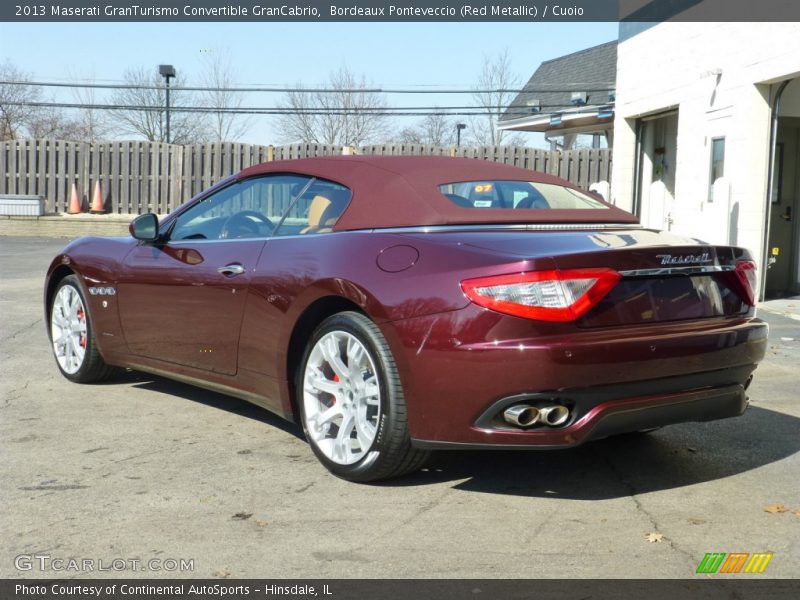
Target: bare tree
(145, 112)
(21, 112)
(346, 113)
(218, 75)
(15, 98)
(436, 129)
(495, 76)
(50, 122)
(410, 135)
(300, 125)
(91, 124)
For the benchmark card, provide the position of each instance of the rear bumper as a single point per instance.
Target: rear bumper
(624, 416)
(461, 369)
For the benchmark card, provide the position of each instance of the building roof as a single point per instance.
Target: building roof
(593, 70)
(398, 191)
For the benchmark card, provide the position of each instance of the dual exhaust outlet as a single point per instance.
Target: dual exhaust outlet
(525, 415)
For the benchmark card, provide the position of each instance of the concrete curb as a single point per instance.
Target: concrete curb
(66, 225)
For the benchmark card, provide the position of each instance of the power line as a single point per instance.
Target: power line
(280, 110)
(575, 87)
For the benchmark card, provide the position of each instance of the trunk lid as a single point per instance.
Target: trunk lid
(664, 277)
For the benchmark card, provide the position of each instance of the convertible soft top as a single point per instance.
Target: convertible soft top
(401, 191)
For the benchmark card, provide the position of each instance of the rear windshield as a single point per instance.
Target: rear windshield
(517, 195)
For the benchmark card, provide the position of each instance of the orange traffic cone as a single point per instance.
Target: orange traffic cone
(98, 206)
(74, 202)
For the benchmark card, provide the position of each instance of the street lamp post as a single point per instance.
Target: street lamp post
(459, 127)
(167, 71)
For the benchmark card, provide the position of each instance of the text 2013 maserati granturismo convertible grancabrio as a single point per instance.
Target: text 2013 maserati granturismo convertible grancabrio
(394, 305)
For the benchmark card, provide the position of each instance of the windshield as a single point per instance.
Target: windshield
(517, 195)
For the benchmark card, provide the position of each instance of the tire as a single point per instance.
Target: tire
(351, 402)
(72, 335)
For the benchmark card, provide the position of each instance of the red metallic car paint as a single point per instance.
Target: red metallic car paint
(455, 357)
(174, 314)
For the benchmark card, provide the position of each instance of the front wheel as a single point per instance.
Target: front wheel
(351, 402)
(72, 335)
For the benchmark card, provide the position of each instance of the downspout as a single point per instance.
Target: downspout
(637, 173)
(773, 142)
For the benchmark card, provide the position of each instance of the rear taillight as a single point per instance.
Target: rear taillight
(746, 276)
(542, 295)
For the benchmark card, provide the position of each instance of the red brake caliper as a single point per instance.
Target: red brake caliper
(82, 319)
(335, 380)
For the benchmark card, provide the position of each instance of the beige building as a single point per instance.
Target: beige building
(707, 137)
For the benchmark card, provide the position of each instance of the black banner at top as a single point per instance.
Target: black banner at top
(397, 10)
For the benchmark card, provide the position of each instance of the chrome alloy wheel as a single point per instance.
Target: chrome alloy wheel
(341, 397)
(68, 329)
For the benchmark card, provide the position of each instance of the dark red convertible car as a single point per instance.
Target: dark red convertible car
(394, 305)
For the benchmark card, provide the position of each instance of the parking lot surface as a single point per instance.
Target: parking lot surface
(178, 481)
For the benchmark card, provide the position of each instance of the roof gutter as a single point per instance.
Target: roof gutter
(543, 120)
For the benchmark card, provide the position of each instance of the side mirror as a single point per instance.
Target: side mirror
(145, 227)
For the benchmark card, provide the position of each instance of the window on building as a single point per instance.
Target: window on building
(717, 164)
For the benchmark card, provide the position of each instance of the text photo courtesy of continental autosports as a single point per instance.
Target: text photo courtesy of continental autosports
(316, 297)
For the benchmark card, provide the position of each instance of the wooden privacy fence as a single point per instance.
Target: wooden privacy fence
(138, 177)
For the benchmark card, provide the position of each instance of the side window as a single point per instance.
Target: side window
(246, 209)
(317, 210)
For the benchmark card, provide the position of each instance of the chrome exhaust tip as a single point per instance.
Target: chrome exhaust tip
(554, 415)
(521, 415)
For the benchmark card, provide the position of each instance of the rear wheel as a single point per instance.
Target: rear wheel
(351, 402)
(72, 335)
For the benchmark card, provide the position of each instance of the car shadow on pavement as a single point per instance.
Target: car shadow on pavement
(675, 456)
(672, 457)
(208, 398)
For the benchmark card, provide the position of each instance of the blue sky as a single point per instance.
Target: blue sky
(387, 54)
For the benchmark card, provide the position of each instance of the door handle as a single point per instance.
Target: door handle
(231, 270)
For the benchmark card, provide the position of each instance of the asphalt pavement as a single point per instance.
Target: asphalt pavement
(176, 481)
